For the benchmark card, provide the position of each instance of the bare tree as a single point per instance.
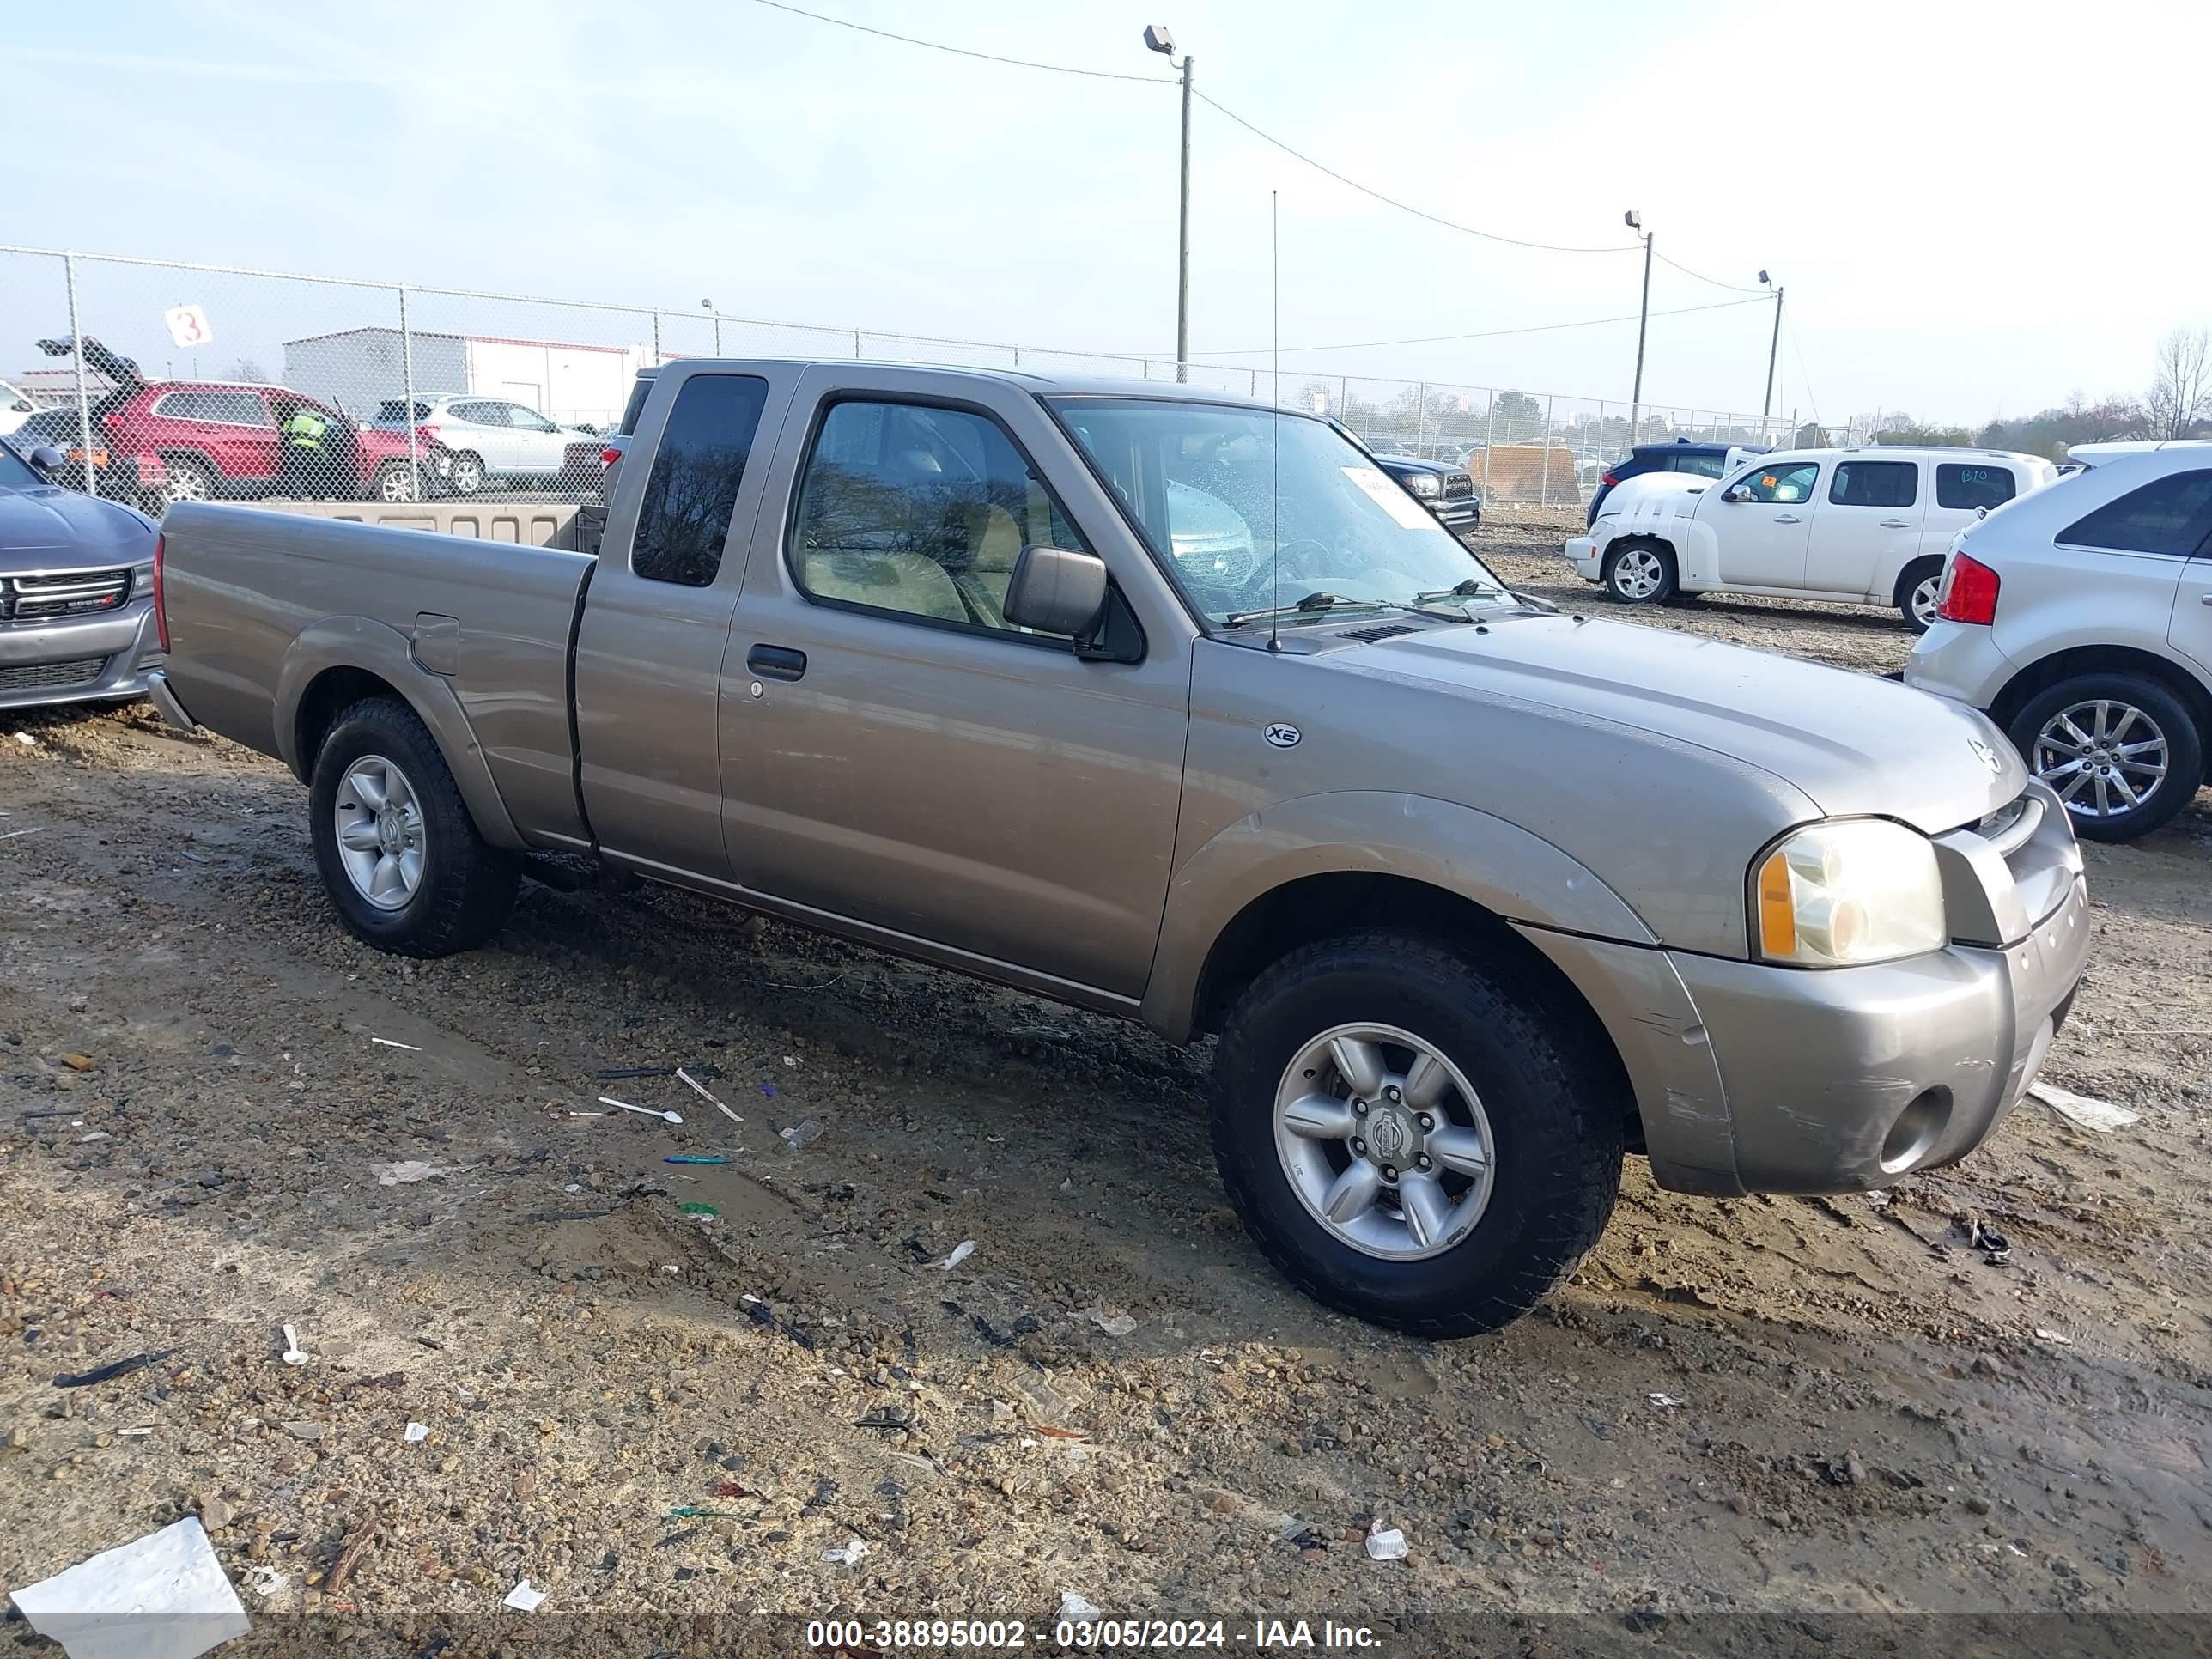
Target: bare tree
(2181, 397)
(246, 369)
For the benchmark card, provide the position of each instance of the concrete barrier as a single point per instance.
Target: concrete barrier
(534, 524)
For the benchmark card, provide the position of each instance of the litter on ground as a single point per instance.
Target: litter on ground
(406, 1172)
(1114, 1324)
(2085, 1111)
(1385, 1543)
(523, 1598)
(960, 1253)
(164, 1596)
(847, 1554)
(292, 1354)
(416, 1431)
(1078, 1609)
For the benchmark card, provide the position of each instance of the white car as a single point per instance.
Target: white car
(486, 438)
(2080, 620)
(1858, 527)
(16, 408)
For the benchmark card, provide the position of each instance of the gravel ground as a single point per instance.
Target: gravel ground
(1779, 1405)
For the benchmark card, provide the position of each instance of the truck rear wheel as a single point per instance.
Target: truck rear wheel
(398, 854)
(1407, 1139)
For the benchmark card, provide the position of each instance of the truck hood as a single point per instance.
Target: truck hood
(1851, 744)
(49, 529)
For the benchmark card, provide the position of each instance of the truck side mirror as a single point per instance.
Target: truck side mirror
(1055, 590)
(1735, 493)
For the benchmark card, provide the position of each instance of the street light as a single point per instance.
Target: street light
(710, 305)
(1774, 347)
(1634, 220)
(1159, 41)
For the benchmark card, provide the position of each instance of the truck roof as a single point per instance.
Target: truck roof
(1062, 385)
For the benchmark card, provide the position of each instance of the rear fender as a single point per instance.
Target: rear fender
(377, 648)
(1515, 875)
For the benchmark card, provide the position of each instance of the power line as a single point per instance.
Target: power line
(1789, 326)
(1732, 287)
(964, 52)
(1480, 334)
(1392, 201)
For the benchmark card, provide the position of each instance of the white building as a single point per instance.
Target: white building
(361, 367)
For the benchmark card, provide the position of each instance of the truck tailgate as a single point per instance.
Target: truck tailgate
(263, 608)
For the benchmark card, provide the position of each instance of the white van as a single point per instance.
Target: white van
(1858, 527)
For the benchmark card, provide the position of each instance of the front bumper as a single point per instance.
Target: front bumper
(1750, 1078)
(1457, 516)
(117, 648)
(1586, 554)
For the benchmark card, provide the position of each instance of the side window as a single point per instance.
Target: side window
(635, 406)
(920, 510)
(528, 420)
(1875, 483)
(476, 415)
(1969, 487)
(685, 518)
(2169, 516)
(1781, 486)
(252, 409)
(1705, 466)
(179, 406)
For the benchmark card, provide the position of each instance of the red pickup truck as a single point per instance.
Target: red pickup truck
(205, 440)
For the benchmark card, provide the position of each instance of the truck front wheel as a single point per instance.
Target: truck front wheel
(398, 854)
(1640, 572)
(1409, 1139)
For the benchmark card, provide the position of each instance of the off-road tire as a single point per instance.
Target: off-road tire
(468, 885)
(1557, 1118)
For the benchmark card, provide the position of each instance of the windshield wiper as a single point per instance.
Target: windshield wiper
(1312, 604)
(1472, 587)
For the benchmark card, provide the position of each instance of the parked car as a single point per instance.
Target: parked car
(488, 438)
(213, 438)
(2081, 619)
(1445, 487)
(982, 669)
(1698, 460)
(16, 406)
(76, 585)
(1854, 526)
(136, 480)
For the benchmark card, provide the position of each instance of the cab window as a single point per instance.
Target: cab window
(1875, 483)
(1966, 488)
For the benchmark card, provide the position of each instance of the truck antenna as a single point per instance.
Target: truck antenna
(1275, 393)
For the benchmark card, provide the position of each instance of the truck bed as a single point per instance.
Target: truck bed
(272, 614)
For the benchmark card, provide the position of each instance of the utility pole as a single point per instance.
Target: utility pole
(1158, 39)
(1634, 220)
(1773, 350)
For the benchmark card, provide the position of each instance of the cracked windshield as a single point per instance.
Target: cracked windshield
(1203, 481)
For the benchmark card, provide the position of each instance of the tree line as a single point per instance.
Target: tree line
(2179, 404)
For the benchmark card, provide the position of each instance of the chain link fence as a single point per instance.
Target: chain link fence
(159, 381)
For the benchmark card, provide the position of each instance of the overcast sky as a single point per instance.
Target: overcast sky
(1975, 208)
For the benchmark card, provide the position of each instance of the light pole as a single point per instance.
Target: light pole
(1774, 347)
(1634, 220)
(1157, 38)
(709, 306)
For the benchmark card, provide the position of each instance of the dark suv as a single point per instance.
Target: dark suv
(1706, 460)
(1446, 490)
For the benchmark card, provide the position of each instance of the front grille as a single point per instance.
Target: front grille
(1458, 486)
(78, 593)
(52, 676)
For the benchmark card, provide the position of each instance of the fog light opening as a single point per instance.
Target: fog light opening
(1916, 1130)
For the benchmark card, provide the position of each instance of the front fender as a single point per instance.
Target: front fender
(378, 649)
(1499, 865)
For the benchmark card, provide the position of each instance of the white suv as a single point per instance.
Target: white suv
(486, 438)
(2081, 619)
(1861, 527)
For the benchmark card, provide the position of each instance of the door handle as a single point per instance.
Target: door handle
(1787, 518)
(2207, 599)
(1895, 524)
(776, 662)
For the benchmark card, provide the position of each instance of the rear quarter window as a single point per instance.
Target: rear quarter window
(684, 518)
(1964, 488)
(2170, 515)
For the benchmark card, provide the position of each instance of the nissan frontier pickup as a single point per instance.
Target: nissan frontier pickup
(1173, 706)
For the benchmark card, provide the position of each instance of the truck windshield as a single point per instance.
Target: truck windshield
(1244, 534)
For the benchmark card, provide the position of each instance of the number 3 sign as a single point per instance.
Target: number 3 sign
(188, 327)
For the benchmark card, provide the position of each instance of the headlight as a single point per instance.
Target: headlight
(1835, 895)
(1424, 484)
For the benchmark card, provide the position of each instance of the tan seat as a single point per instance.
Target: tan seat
(889, 581)
(998, 548)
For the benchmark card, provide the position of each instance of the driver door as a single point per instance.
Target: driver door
(1766, 535)
(895, 753)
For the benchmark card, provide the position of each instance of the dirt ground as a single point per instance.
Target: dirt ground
(1778, 1405)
